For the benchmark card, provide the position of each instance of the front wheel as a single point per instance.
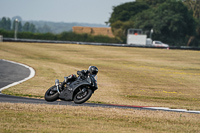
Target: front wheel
(51, 94)
(82, 96)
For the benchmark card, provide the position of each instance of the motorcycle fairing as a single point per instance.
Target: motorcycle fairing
(68, 93)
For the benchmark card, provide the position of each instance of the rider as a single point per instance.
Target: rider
(93, 70)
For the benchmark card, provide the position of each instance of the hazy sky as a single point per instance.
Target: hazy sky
(86, 11)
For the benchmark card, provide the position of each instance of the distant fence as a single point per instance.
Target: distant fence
(93, 43)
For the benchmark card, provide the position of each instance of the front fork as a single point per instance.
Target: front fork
(57, 85)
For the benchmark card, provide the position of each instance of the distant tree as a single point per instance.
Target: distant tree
(5, 23)
(19, 26)
(125, 11)
(193, 5)
(175, 20)
(144, 20)
(29, 27)
(152, 2)
(32, 28)
(26, 27)
(120, 20)
(170, 20)
(8, 24)
(44, 29)
(198, 27)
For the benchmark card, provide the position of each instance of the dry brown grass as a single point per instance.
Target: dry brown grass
(56, 118)
(131, 76)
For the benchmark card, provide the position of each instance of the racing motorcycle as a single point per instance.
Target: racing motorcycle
(78, 89)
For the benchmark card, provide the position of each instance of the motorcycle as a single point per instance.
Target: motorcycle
(78, 89)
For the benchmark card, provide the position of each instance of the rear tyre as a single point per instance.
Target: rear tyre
(51, 94)
(82, 96)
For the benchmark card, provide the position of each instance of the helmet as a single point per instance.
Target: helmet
(93, 70)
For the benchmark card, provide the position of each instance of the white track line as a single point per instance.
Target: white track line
(32, 74)
(174, 110)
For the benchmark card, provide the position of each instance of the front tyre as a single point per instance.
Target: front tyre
(82, 96)
(51, 94)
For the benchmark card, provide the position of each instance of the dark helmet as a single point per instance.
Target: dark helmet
(93, 70)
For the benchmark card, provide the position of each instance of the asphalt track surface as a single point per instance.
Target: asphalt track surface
(12, 73)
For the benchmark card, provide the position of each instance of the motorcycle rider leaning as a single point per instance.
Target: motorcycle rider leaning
(78, 89)
(83, 74)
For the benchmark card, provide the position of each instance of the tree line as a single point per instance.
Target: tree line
(29, 31)
(175, 22)
(8, 25)
(64, 36)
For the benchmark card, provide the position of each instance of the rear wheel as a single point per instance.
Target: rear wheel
(82, 96)
(51, 94)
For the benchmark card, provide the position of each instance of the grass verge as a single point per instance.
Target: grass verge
(57, 118)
